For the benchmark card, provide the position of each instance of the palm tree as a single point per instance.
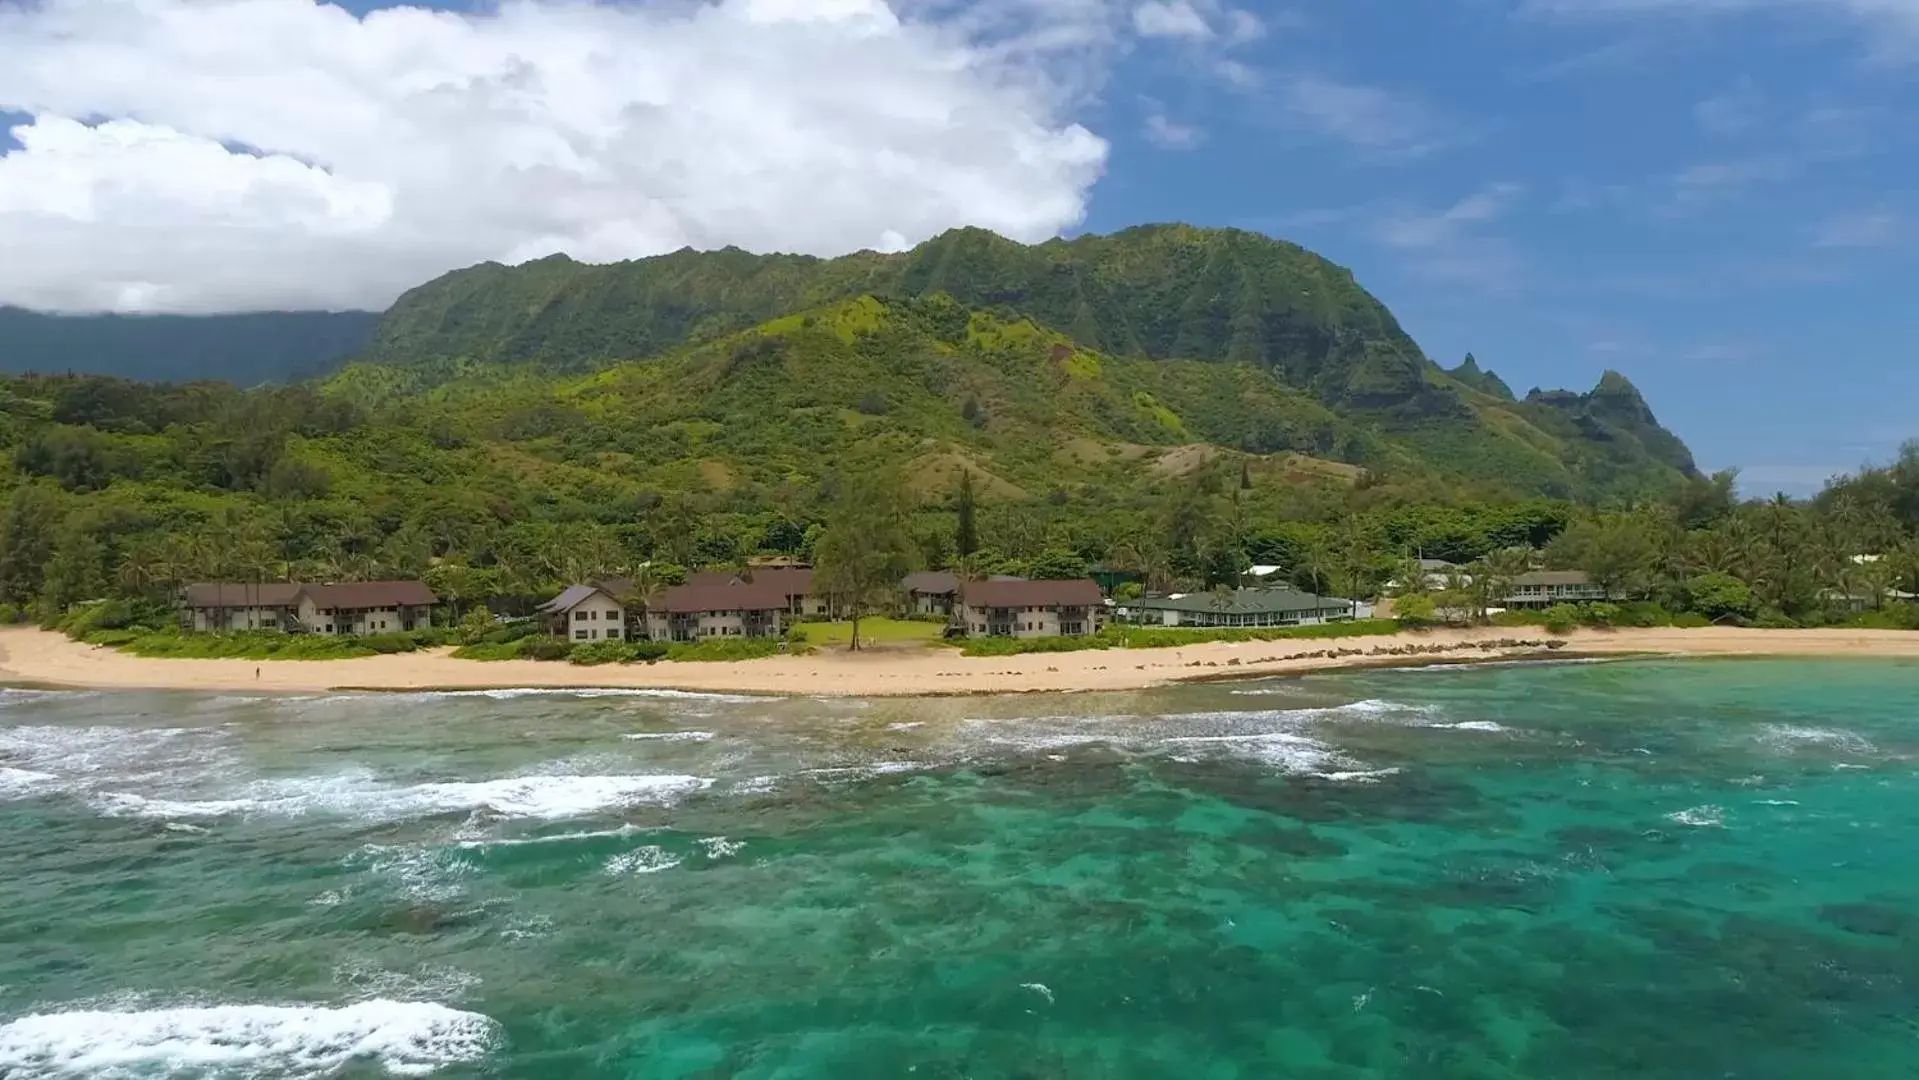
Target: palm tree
(1493, 577)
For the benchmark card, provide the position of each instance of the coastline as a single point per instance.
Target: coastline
(37, 658)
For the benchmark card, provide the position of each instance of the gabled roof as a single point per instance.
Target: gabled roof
(726, 595)
(1243, 602)
(1082, 592)
(219, 594)
(790, 580)
(372, 594)
(355, 594)
(931, 582)
(573, 597)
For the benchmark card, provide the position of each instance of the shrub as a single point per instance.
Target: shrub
(796, 634)
(721, 649)
(1561, 618)
(600, 652)
(545, 648)
(1601, 614)
(1773, 619)
(1690, 620)
(1643, 613)
(1417, 610)
(1717, 596)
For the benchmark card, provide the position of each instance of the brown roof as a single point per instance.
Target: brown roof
(372, 594)
(726, 595)
(931, 582)
(1083, 592)
(234, 594)
(790, 580)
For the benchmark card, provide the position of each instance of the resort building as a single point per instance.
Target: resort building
(1029, 609)
(728, 608)
(350, 608)
(592, 612)
(1241, 608)
(1544, 588)
(795, 583)
(930, 592)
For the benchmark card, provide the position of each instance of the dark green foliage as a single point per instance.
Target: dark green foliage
(1317, 365)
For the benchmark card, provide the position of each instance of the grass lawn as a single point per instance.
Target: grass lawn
(878, 631)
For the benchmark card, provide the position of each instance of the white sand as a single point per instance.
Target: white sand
(41, 658)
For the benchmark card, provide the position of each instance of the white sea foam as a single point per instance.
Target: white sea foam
(1706, 817)
(1288, 752)
(480, 844)
(351, 794)
(405, 1038)
(1778, 802)
(1472, 725)
(25, 783)
(1791, 738)
(650, 859)
(422, 873)
(508, 694)
(1360, 776)
(905, 725)
(669, 736)
(719, 847)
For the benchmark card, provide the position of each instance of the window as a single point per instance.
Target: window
(579, 635)
(579, 616)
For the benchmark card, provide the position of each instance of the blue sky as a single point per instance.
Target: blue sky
(1715, 197)
(1722, 206)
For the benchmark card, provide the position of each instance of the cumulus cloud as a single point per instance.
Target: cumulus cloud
(222, 155)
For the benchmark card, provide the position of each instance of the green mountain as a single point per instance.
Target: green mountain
(1242, 342)
(275, 346)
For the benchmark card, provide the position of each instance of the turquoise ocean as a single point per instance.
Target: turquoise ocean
(1645, 869)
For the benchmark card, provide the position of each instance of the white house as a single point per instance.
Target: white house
(1544, 588)
(348, 608)
(1030, 609)
(586, 613)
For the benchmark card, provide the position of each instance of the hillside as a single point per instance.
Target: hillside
(275, 346)
(1284, 322)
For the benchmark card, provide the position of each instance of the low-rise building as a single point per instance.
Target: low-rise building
(1241, 608)
(1029, 609)
(930, 592)
(592, 612)
(1544, 588)
(731, 608)
(794, 583)
(347, 608)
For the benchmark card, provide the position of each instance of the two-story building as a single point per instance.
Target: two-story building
(733, 608)
(930, 592)
(1029, 609)
(1544, 588)
(794, 583)
(592, 612)
(346, 608)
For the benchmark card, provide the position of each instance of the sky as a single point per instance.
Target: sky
(1716, 197)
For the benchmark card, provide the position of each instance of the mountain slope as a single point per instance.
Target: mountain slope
(275, 346)
(1167, 294)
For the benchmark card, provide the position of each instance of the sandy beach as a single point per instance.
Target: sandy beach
(39, 658)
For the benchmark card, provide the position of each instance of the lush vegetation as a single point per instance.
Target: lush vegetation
(1154, 337)
(1169, 405)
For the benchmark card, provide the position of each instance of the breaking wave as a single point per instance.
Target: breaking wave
(286, 1042)
(546, 797)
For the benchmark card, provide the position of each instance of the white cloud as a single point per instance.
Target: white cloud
(1453, 245)
(1369, 118)
(1168, 134)
(281, 153)
(1890, 27)
(1861, 229)
(1170, 19)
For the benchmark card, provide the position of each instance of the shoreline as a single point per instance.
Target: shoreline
(32, 658)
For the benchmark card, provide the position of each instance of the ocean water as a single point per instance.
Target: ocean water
(1626, 869)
